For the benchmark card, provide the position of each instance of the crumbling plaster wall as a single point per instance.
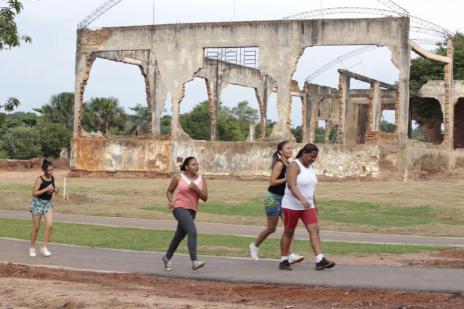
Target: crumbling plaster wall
(178, 50)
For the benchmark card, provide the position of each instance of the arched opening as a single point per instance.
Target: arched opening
(195, 116)
(365, 65)
(459, 123)
(111, 109)
(427, 114)
(238, 114)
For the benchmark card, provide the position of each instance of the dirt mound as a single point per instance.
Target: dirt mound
(109, 286)
(20, 165)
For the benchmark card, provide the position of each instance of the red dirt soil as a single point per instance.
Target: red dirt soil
(24, 286)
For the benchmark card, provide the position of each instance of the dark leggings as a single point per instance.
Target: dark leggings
(185, 226)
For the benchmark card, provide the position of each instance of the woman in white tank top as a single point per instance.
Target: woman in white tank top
(298, 203)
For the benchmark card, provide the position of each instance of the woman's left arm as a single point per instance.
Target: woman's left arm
(202, 193)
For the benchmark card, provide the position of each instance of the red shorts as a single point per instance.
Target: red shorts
(291, 217)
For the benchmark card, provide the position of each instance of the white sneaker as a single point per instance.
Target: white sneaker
(295, 258)
(32, 252)
(197, 264)
(254, 252)
(44, 251)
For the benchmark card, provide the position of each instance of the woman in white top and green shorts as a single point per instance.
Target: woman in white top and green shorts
(298, 203)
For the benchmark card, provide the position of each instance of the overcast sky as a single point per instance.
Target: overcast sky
(36, 71)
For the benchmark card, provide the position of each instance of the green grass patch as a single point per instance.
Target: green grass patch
(360, 213)
(17, 187)
(208, 244)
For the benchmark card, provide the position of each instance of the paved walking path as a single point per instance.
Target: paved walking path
(239, 269)
(244, 230)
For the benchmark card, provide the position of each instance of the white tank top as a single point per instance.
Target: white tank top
(306, 182)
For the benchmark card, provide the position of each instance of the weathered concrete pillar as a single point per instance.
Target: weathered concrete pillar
(343, 88)
(281, 129)
(304, 115)
(251, 132)
(212, 87)
(328, 129)
(83, 66)
(448, 117)
(449, 105)
(375, 107)
(261, 97)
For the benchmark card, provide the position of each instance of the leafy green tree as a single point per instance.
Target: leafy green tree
(9, 36)
(297, 133)
(102, 113)
(166, 124)
(197, 123)
(137, 123)
(423, 70)
(10, 104)
(387, 127)
(52, 138)
(22, 143)
(60, 109)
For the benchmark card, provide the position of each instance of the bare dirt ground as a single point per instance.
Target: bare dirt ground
(23, 286)
(449, 258)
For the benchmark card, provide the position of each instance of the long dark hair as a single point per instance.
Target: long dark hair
(275, 155)
(186, 162)
(45, 165)
(307, 149)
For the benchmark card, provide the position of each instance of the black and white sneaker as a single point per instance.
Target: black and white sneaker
(167, 263)
(284, 265)
(324, 264)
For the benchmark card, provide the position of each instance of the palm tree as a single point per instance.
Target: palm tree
(60, 109)
(138, 123)
(101, 113)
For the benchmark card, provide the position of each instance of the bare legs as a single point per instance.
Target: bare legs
(48, 228)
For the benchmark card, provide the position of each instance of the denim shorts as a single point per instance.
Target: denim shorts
(40, 207)
(272, 204)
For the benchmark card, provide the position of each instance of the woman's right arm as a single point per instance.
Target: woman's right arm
(292, 172)
(273, 181)
(171, 189)
(36, 192)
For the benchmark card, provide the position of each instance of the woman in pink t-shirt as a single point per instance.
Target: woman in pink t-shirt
(183, 194)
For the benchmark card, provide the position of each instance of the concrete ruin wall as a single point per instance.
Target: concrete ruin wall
(171, 55)
(239, 159)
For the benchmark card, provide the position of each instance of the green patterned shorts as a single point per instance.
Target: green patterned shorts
(40, 207)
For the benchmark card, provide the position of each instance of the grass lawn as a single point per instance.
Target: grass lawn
(433, 207)
(150, 240)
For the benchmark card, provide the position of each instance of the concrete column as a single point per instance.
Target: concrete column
(251, 132)
(281, 129)
(261, 97)
(375, 107)
(448, 117)
(343, 87)
(159, 100)
(83, 66)
(314, 121)
(214, 88)
(304, 114)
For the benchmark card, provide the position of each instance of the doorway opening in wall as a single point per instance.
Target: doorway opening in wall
(195, 117)
(426, 112)
(239, 114)
(320, 137)
(319, 65)
(296, 119)
(459, 123)
(115, 101)
(387, 121)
